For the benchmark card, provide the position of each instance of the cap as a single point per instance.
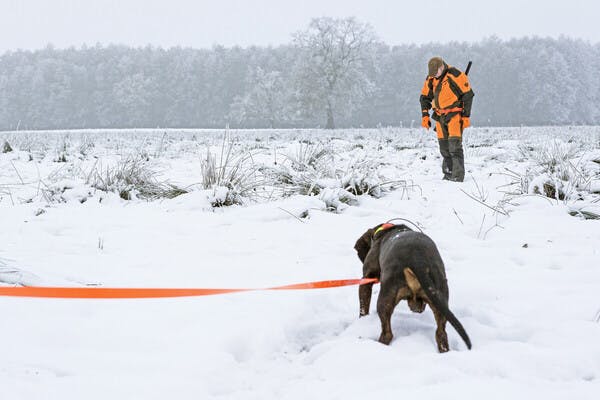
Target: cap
(434, 64)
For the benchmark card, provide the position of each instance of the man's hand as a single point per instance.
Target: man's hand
(466, 122)
(425, 122)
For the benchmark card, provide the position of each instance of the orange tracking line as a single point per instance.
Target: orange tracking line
(148, 293)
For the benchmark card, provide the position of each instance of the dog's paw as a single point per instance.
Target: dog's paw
(385, 338)
(443, 348)
(442, 341)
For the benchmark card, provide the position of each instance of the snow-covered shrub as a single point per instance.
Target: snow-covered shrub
(362, 177)
(6, 148)
(556, 171)
(285, 181)
(314, 170)
(310, 155)
(61, 152)
(586, 211)
(547, 186)
(232, 177)
(359, 184)
(132, 178)
(221, 196)
(337, 199)
(85, 146)
(66, 190)
(555, 156)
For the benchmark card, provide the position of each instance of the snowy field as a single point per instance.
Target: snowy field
(519, 238)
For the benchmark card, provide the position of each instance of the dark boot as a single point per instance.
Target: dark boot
(458, 159)
(447, 158)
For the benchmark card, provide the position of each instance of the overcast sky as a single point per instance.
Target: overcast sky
(32, 24)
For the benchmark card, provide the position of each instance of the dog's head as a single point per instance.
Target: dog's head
(363, 244)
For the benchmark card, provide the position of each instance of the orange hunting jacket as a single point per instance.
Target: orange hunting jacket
(451, 91)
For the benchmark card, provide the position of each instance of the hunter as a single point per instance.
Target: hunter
(448, 92)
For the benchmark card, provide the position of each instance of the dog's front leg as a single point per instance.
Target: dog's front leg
(364, 297)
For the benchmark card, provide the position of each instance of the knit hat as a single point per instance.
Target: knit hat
(434, 64)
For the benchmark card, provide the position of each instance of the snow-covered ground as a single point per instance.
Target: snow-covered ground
(524, 274)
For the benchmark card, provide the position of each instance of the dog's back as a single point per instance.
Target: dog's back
(414, 250)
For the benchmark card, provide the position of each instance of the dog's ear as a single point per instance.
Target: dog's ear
(363, 244)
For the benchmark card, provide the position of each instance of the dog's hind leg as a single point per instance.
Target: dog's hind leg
(385, 307)
(441, 337)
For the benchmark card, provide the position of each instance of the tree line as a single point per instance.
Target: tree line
(336, 73)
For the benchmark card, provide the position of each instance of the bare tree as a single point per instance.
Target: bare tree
(335, 59)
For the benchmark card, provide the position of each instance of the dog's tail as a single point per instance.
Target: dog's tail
(441, 306)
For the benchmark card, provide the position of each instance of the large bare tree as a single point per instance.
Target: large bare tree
(335, 66)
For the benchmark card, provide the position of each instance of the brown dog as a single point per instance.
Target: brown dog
(409, 266)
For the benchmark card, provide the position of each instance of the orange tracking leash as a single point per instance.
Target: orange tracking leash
(149, 293)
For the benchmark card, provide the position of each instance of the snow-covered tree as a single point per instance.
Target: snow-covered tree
(133, 95)
(267, 99)
(335, 56)
(327, 74)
